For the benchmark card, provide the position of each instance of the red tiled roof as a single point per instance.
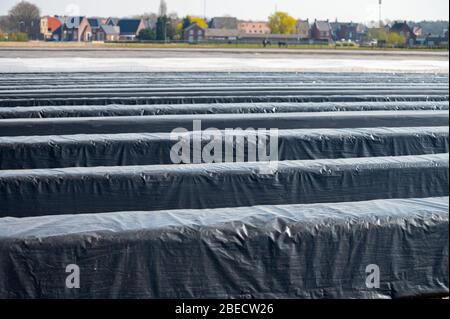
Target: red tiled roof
(53, 24)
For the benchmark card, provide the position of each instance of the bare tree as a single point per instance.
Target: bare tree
(24, 17)
(4, 24)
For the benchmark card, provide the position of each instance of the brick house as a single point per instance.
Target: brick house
(108, 33)
(130, 28)
(73, 29)
(45, 33)
(254, 27)
(302, 29)
(96, 24)
(347, 31)
(194, 33)
(404, 30)
(49, 25)
(321, 31)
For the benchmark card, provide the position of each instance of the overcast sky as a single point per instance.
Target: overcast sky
(351, 10)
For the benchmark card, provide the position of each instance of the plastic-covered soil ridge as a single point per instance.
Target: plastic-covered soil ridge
(86, 178)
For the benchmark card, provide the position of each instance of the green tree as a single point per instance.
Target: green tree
(379, 34)
(147, 35)
(395, 39)
(282, 23)
(161, 28)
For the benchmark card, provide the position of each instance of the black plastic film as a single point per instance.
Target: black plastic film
(155, 148)
(294, 251)
(105, 189)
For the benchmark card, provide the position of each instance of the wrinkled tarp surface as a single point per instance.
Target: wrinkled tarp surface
(106, 189)
(291, 251)
(168, 123)
(192, 88)
(219, 99)
(213, 108)
(30, 152)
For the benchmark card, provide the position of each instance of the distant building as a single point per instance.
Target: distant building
(45, 33)
(254, 27)
(432, 40)
(348, 31)
(96, 24)
(112, 21)
(49, 25)
(108, 33)
(321, 31)
(31, 28)
(223, 35)
(272, 39)
(130, 28)
(303, 29)
(229, 23)
(404, 30)
(73, 29)
(194, 33)
(418, 31)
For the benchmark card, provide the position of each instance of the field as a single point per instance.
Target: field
(53, 57)
(117, 164)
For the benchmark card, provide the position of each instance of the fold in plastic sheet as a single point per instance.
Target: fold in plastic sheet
(61, 101)
(167, 123)
(232, 108)
(292, 251)
(155, 148)
(26, 193)
(56, 92)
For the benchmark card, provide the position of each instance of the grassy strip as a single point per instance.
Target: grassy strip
(143, 45)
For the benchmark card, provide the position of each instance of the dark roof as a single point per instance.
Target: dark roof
(398, 26)
(95, 23)
(335, 26)
(323, 26)
(129, 25)
(224, 23)
(110, 29)
(348, 26)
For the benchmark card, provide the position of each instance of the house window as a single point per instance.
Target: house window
(191, 32)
